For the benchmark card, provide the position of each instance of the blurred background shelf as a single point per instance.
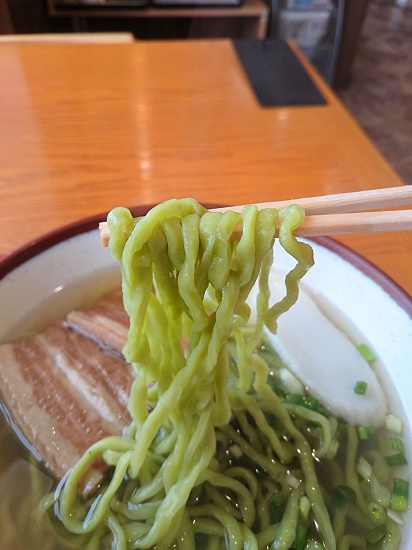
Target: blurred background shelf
(332, 56)
(229, 19)
(314, 25)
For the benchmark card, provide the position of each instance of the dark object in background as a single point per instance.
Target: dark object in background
(276, 74)
(204, 3)
(101, 3)
(354, 16)
(6, 24)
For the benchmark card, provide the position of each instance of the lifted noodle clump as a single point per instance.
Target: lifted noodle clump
(201, 392)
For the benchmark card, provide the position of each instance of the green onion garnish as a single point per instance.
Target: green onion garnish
(277, 499)
(401, 487)
(360, 387)
(376, 534)
(393, 423)
(300, 538)
(304, 506)
(366, 352)
(379, 493)
(396, 460)
(277, 509)
(398, 503)
(342, 494)
(364, 432)
(400, 496)
(364, 469)
(395, 444)
(308, 402)
(377, 513)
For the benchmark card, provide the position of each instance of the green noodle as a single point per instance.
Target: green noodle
(186, 253)
(211, 442)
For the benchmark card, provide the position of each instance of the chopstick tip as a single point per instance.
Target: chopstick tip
(104, 233)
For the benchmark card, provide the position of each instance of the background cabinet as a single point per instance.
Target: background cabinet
(249, 20)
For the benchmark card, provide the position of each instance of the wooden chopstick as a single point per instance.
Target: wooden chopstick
(342, 213)
(342, 202)
(355, 223)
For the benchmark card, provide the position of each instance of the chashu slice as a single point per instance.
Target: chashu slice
(64, 392)
(106, 322)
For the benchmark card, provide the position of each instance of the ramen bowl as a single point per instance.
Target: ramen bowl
(68, 269)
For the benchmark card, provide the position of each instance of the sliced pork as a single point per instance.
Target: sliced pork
(105, 322)
(64, 392)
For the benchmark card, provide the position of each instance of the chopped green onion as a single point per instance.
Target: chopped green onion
(396, 460)
(380, 493)
(366, 352)
(399, 503)
(342, 494)
(364, 432)
(377, 513)
(393, 424)
(395, 444)
(277, 499)
(360, 387)
(364, 468)
(309, 402)
(300, 538)
(400, 496)
(304, 506)
(401, 487)
(376, 534)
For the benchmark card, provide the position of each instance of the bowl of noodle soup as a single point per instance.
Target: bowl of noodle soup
(68, 270)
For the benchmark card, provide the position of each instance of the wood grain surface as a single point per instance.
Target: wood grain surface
(85, 128)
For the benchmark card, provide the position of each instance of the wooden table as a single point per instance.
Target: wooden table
(85, 128)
